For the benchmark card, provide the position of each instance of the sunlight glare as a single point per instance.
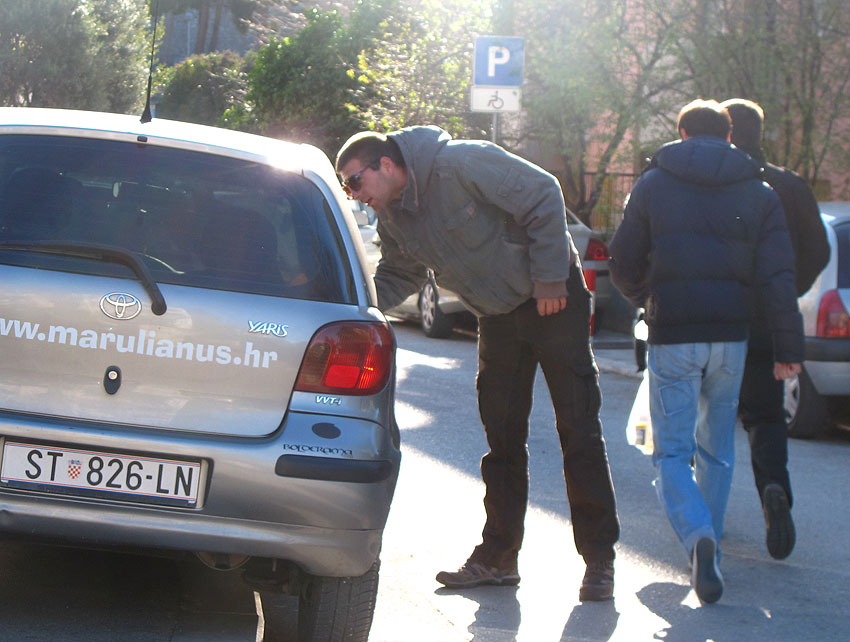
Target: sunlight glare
(405, 359)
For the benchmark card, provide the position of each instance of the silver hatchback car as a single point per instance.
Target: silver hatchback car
(192, 359)
(819, 398)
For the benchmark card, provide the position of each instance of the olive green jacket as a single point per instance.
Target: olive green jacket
(491, 225)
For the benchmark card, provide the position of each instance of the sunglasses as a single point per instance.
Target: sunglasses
(353, 183)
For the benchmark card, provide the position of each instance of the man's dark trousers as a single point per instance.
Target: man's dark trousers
(509, 348)
(762, 413)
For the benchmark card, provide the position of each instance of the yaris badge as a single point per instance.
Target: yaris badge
(120, 306)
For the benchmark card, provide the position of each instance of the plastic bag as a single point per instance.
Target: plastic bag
(639, 428)
(641, 333)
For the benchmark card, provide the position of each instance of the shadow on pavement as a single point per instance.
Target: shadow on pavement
(63, 593)
(498, 615)
(688, 624)
(591, 621)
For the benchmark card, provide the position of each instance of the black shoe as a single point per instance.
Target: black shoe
(705, 576)
(598, 582)
(781, 535)
(476, 574)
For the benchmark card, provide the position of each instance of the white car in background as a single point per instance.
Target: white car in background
(438, 310)
(820, 397)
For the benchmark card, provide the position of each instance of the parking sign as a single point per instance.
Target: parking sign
(498, 61)
(497, 74)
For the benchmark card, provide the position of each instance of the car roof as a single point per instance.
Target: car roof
(296, 157)
(836, 211)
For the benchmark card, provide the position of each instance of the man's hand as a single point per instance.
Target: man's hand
(786, 370)
(551, 306)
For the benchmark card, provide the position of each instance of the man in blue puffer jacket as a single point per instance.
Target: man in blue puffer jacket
(702, 243)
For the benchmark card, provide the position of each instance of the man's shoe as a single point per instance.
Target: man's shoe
(598, 582)
(705, 577)
(477, 574)
(781, 535)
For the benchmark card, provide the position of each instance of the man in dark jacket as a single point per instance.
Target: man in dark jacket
(761, 404)
(493, 228)
(701, 236)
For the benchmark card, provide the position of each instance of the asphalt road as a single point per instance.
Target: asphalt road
(437, 517)
(68, 595)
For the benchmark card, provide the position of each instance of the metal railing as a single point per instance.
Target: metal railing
(608, 212)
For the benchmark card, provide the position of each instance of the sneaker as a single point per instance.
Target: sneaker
(598, 582)
(706, 578)
(476, 574)
(781, 535)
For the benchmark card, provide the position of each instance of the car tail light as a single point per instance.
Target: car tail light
(350, 358)
(596, 251)
(833, 320)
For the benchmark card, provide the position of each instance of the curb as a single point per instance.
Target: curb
(611, 365)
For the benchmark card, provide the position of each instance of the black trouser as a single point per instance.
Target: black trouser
(509, 348)
(762, 413)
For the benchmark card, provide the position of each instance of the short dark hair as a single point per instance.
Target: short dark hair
(367, 147)
(704, 118)
(747, 122)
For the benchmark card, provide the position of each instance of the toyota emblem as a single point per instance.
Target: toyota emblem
(120, 306)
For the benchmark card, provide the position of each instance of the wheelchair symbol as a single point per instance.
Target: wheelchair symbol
(496, 101)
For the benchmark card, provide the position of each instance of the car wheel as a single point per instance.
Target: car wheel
(434, 323)
(337, 609)
(805, 409)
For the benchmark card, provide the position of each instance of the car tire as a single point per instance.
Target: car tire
(806, 410)
(337, 609)
(435, 324)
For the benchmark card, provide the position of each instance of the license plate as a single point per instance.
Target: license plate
(91, 473)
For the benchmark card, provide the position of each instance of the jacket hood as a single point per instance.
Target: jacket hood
(419, 146)
(706, 160)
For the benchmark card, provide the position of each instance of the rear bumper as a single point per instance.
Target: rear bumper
(603, 288)
(828, 365)
(330, 469)
(818, 349)
(291, 495)
(319, 551)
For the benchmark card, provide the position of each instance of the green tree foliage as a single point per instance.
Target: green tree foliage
(82, 54)
(202, 87)
(604, 79)
(420, 70)
(791, 56)
(389, 64)
(595, 73)
(299, 86)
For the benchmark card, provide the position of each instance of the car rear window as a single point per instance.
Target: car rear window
(195, 219)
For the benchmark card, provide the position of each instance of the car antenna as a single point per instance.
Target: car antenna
(146, 114)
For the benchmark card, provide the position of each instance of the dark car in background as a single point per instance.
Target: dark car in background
(192, 356)
(819, 398)
(439, 310)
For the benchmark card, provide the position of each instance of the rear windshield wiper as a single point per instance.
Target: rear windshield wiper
(99, 253)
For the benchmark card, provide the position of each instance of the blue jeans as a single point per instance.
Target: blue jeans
(693, 404)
